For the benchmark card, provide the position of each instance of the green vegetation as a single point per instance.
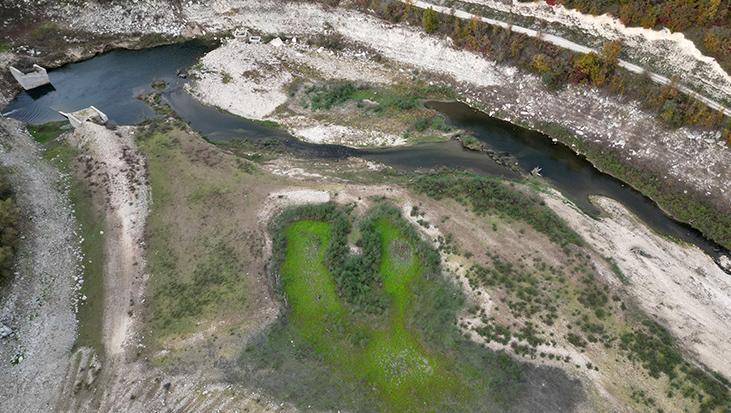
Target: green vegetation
(472, 143)
(91, 224)
(538, 296)
(4, 46)
(8, 228)
(48, 131)
(396, 98)
(425, 123)
(45, 31)
(197, 275)
(398, 107)
(488, 195)
(430, 20)
(267, 123)
(617, 271)
(653, 347)
(333, 352)
(329, 96)
(159, 85)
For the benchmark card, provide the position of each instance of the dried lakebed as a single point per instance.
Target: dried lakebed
(113, 81)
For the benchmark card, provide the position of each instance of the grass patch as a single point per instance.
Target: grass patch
(91, 224)
(398, 108)
(426, 123)
(488, 195)
(617, 271)
(267, 123)
(409, 356)
(471, 143)
(48, 131)
(199, 255)
(655, 349)
(395, 98)
(46, 31)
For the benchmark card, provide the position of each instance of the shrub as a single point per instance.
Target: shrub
(329, 96)
(491, 195)
(430, 20)
(8, 229)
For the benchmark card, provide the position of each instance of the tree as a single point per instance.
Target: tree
(589, 67)
(430, 20)
(610, 53)
(711, 42)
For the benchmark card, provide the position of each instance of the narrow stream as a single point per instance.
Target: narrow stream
(112, 81)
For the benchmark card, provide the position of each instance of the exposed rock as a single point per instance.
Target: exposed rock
(5, 331)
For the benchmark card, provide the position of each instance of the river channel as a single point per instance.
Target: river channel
(113, 81)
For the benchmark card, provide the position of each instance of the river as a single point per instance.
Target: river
(112, 82)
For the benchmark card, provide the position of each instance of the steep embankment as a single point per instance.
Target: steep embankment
(40, 301)
(667, 54)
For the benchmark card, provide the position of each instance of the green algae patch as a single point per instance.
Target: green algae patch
(386, 355)
(330, 352)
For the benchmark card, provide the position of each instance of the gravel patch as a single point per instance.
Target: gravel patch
(39, 304)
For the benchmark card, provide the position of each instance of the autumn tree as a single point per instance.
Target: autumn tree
(610, 53)
(430, 20)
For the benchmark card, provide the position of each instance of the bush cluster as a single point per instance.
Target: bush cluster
(8, 229)
(488, 195)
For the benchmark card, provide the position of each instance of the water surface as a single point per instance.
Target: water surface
(112, 82)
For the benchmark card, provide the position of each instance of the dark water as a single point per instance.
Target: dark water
(112, 81)
(570, 173)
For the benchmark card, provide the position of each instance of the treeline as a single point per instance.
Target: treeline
(557, 66)
(706, 22)
(8, 229)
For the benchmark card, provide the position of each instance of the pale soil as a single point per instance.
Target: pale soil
(662, 51)
(39, 303)
(244, 95)
(347, 136)
(699, 161)
(679, 285)
(250, 80)
(115, 167)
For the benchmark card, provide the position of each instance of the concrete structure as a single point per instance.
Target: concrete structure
(91, 113)
(31, 80)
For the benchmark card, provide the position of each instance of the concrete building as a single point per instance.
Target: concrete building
(31, 80)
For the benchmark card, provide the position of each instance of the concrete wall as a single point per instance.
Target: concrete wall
(31, 80)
